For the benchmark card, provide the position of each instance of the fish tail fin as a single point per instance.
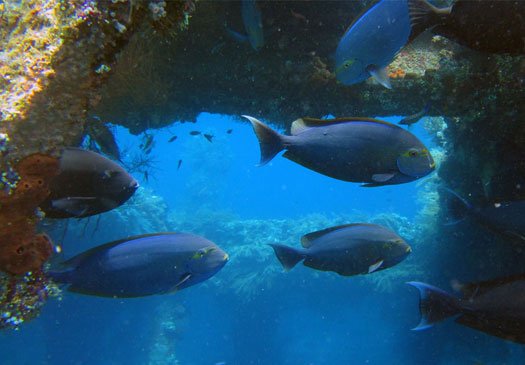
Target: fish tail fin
(270, 142)
(435, 305)
(288, 256)
(424, 15)
(457, 207)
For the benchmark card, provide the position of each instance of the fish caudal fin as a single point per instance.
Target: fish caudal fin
(288, 256)
(424, 15)
(270, 142)
(457, 208)
(435, 305)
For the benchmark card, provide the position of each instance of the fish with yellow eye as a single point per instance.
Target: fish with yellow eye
(144, 265)
(353, 149)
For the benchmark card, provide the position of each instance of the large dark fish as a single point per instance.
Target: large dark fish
(142, 265)
(349, 149)
(349, 249)
(87, 184)
(506, 218)
(104, 138)
(496, 307)
(492, 26)
(372, 41)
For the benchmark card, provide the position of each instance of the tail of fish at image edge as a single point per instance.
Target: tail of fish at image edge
(270, 142)
(287, 256)
(435, 305)
(457, 207)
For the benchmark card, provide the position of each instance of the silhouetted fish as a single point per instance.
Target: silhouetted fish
(150, 264)
(349, 149)
(179, 164)
(147, 143)
(492, 26)
(87, 184)
(350, 249)
(195, 133)
(209, 137)
(229, 131)
(496, 307)
(506, 218)
(414, 118)
(104, 138)
(172, 139)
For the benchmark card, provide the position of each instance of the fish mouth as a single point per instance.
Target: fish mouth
(226, 257)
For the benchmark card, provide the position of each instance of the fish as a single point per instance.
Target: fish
(490, 26)
(173, 138)
(495, 307)
(229, 131)
(147, 143)
(414, 118)
(150, 264)
(372, 41)
(209, 137)
(252, 20)
(504, 218)
(87, 184)
(104, 138)
(179, 164)
(350, 249)
(195, 133)
(363, 150)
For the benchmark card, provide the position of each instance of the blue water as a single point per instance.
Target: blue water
(251, 312)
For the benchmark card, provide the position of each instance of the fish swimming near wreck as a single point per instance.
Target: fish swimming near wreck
(504, 218)
(351, 149)
(350, 249)
(100, 133)
(372, 41)
(491, 26)
(143, 265)
(496, 307)
(87, 184)
(414, 118)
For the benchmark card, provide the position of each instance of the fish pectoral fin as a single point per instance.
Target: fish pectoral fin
(375, 267)
(381, 178)
(380, 75)
(183, 279)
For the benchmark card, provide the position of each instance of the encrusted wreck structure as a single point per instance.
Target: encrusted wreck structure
(145, 64)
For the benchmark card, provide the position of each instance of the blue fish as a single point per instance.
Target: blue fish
(372, 41)
(142, 265)
(252, 19)
(350, 149)
(505, 218)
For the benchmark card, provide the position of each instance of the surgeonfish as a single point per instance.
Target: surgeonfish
(505, 218)
(496, 307)
(350, 149)
(87, 184)
(491, 26)
(372, 41)
(144, 265)
(350, 249)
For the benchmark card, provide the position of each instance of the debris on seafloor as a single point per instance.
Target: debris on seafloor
(23, 251)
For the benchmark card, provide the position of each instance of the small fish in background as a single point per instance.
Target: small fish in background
(495, 307)
(353, 149)
(179, 164)
(147, 143)
(491, 26)
(158, 263)
(209, 137)
(102, 135)
(87, 184)
(173, 138)
(504, 218)
(350, 249)
(195, 133)
(299, 16)
(229, 131)
(414, 118)
(371, 42)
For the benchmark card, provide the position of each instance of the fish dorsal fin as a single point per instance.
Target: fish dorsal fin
(308, 239)
(301, 124)
(472, 290)
(76, 260)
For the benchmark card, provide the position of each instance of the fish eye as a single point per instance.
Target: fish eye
(412, 153)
